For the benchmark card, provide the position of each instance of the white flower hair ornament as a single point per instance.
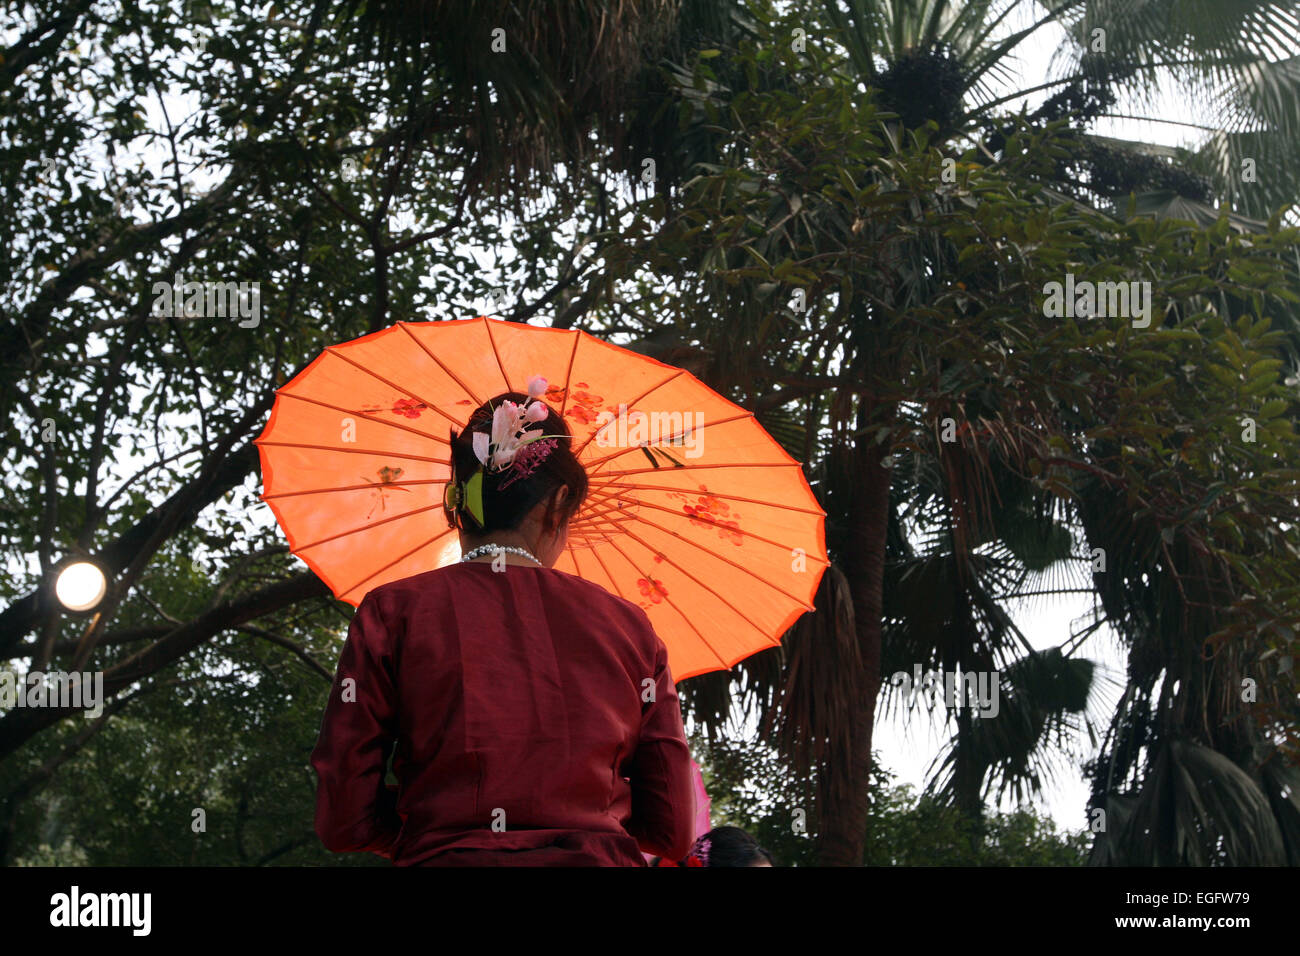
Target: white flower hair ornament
(510, 445)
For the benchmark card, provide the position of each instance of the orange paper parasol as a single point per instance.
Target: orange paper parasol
(695, 513)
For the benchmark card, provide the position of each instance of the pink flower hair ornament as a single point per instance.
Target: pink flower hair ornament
(510, 445)
(701, 850)
(698, 855)
(528, 459)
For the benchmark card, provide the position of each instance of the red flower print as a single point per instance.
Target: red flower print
(715, 505)
(584, 406)
(387, 475)
(698, 515)
(555, 394)
(653, 589)
(730, 531)
(710, 512)
(408, 407)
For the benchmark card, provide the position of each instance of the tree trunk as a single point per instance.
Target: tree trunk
(843, 821)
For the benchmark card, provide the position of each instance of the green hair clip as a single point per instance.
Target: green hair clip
(467, 495)
(474, 497)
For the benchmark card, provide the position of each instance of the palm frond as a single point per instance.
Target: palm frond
(1196, 808)
(1043, 696)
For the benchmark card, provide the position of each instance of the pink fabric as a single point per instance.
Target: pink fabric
(515, 700)
(703, 808)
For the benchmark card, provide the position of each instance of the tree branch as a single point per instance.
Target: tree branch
(297, 649)
(21, 724)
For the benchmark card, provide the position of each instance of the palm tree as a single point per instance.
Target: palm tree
(533, 97)
(930, 60)
(946, 609)
(1237, 63)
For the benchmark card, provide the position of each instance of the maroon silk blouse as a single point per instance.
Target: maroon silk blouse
(518, 701)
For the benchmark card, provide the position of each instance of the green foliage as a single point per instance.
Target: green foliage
(751, 788)
(230, 734)
(911, 830)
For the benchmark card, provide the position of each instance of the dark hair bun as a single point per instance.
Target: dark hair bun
(728, 846)
(504, 508)
(732, 846)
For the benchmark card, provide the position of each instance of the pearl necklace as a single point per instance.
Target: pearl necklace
(498, 549)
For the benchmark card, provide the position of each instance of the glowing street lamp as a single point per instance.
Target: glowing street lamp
(80, 586)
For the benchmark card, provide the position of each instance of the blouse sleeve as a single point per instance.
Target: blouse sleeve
(660, 772)
(355, 810)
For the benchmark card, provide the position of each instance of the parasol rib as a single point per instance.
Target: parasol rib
(724, 464)
(381, 421)
(748, 620)
(677, 374)
(596, 463)
(717, 494)
(350, 451)
(396, 560)
(613, 585)
(368, 485)
(568, 372)
(487, 327)
(334, 350)
(714, 554)
(601, 561)
(671, 603)
(365, 527)
(726, 528)
(454, 377)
